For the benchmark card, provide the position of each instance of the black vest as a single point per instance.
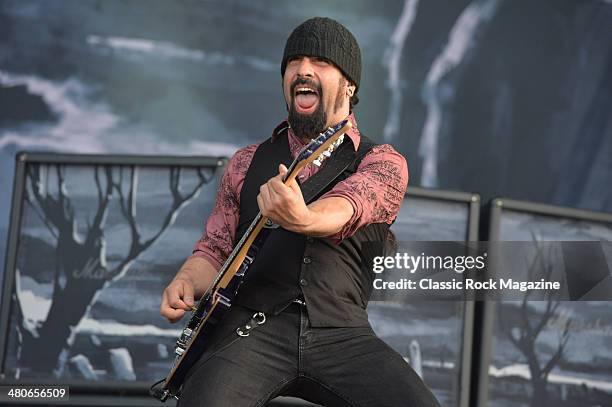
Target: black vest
(332, 278)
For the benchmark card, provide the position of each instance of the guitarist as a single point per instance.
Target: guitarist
(315, 341)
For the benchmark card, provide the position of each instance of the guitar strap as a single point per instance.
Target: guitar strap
(339, 162)
(345, 155)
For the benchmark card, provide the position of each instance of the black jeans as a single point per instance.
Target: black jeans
(286, 356)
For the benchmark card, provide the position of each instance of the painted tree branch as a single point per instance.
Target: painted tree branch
(43, 219)
(523, 334)
(58, 211)
(556, 357)
(104, 197)
(128, 209)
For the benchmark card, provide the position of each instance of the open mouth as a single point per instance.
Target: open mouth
(306, 99)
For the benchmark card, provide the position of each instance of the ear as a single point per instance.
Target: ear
(350, 89)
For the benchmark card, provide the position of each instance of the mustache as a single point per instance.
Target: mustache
(305, 82)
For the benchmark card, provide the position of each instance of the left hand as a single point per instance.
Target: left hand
(284, 204)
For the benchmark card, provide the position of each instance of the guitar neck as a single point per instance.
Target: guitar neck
(253, 230)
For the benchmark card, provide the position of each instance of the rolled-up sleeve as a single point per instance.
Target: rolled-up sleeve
(216, 243)
(376, 190)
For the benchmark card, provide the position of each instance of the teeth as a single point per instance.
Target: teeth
(305, 90)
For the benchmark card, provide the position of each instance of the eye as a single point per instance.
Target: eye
(320, 61)
(295, 59)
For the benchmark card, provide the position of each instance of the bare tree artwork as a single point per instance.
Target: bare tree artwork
(528, 323)
(81, 269)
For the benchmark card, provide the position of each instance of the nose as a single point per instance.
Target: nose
(305, 67)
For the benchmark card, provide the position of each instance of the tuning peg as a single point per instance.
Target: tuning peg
(327, 153)
(317, 162)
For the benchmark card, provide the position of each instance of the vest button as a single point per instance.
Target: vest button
(307, 260)
(309, 239)
(303, 282)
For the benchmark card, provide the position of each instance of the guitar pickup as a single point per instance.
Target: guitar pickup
(186, 335)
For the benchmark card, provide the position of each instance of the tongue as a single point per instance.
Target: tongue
(306, 100)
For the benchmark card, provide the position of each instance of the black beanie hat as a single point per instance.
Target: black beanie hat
(325, 38)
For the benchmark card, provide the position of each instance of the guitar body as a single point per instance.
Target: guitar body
(193, 342)
(197, 347)
(216, 302)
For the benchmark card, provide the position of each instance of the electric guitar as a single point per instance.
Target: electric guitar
(217, 300)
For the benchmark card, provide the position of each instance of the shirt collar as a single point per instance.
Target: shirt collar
(353, 133)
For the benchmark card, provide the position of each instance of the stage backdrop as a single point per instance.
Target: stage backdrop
(500, 97)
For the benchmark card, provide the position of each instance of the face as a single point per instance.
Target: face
(317, 95)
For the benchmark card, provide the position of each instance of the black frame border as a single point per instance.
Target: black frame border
(469, 321)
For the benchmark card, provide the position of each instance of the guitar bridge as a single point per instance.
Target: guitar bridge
(224, 300)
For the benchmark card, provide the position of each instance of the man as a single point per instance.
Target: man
(315, 342)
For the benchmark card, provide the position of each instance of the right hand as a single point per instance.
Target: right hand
(177, 299)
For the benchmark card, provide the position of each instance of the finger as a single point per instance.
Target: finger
(294, 186)
(177, 303)
(163, 305)
(262, 205)
(287, 188)
(168, 312)
(278, 178)
(188, 295)
(175, 296)
(277, 187)
(266, 193)
(282, 170)
(265, 208)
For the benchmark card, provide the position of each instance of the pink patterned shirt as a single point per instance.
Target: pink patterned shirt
(375, 191)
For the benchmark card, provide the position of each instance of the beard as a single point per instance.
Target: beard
(310, 125)
(307, 125)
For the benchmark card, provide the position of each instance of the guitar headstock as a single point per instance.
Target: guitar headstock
(321, 147)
